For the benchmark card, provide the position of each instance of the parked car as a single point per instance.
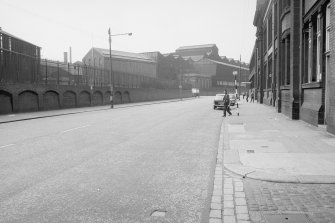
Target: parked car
(218, 101)
(232, 98)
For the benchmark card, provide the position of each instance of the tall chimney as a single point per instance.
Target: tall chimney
(65, 57)
(70, 55)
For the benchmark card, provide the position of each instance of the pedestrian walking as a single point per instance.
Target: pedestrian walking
(243, 95)
(252, 97)
(226, 102)
(247, 96)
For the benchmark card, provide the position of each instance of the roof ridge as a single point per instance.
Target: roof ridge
(124, 54)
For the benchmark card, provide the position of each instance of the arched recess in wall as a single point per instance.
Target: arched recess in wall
(84, 99)
(126, 97)
(69, 99)
(107, 97)
(97, 98)
(117, 97)
(28, 101)
(51, 100)
(6, 102)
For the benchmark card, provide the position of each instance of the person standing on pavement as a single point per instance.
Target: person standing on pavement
(226, 102)
(252, 96)
(247, 96)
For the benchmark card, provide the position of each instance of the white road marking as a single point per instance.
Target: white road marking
(7, 146)
(80, 127)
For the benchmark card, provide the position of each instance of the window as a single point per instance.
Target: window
(275, 19)
(264, 76)
(269, 76)
(288, 61)
(318, 48)
(310, 52)
(285, 4)
(270, 30)
(327, 27)
(306, 43)
(265, 45)
(10, 44)
(274, 75)
(285, 61)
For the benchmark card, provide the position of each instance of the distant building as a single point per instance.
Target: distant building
(122, 62)
(197, 81)
(205, 61)
(169, 66)
(19, 59)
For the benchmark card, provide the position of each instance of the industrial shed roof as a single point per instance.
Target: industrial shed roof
(196, 47)
(125, 55)
(12, 36)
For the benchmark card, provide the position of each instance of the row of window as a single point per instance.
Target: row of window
(225, 83)
(316, 37)
(316, 45)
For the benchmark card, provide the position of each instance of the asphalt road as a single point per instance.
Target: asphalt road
(112, 165)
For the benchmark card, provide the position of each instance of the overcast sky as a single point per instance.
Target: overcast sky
(157, 25)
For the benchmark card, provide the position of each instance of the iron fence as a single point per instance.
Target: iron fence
(20, 68)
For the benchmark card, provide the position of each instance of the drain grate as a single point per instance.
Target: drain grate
(158, 213)
(286, 218)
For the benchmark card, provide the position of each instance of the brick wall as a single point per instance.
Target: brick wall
(286, 105)
(312, 109)
(33, 97)
(330, 100)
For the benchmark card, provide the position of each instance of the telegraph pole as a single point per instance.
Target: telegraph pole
(239, 91)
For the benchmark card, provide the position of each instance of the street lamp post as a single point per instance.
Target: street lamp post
(111, 77)
(235, 74)
(239, 90)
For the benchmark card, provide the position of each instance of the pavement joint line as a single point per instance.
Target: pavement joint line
(8, 145)
(86, 111)
(245, 172)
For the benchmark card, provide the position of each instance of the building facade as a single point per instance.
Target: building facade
(122, 62)
(207, 66)
(291, 64)
(19, 59)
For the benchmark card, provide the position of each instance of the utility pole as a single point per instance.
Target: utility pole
(239, 91)
(111, 76)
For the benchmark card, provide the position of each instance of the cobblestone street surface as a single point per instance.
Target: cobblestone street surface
(316, 201)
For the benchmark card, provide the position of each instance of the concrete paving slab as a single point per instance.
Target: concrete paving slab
(265, 145)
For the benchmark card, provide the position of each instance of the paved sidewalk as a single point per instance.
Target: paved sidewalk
(263, 144)
(59, 112)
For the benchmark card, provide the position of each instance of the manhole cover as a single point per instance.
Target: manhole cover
(286, 218)
(250, 151)
(158, 213)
